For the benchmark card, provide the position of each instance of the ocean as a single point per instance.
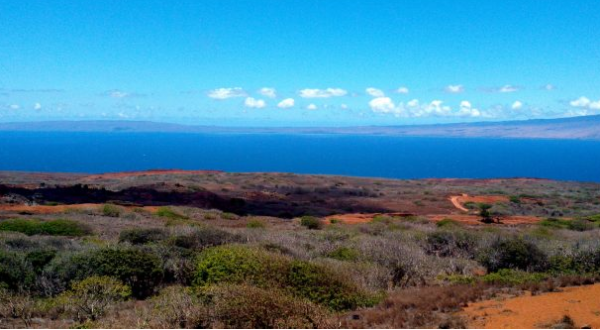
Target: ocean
(365, 156)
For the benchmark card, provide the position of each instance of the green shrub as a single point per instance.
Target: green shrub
(248, 307)
(58, 227)
(344, 254)
(39, 259)
(586, 259)
(256, 224)
(576, 225)
(93, 296)
(140, 236)
(513, 253)
(171, 215)
(513, 277)
(334, 221)
(447, 222)
(451, 243)
(199, 238)
(238, 264)
(311, 222)
(110, 210)
(555, 223)
(515, 199)
(229, 216)
(16, 273)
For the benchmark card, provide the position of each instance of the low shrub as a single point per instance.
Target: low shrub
(344, 254)
(229, 216)
(447, 222)
(311, 222)
(39, 259)
(90, 298)
(246, 307)
(110, 210)
(172, 216)
(140, 236)
(452, 243)
(58, 227)
(256, 224)
(513, 277)
(239, 264)
(198, 238)
(16, 273)
(513, 253)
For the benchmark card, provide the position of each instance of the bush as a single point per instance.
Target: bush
(91, 297)
(452, 243)
(15, 272)
(198, 238)
(311, 222)
(39, 259)
(178, 307)
(513, 253)
(447, 222)
(238, 264)
(576, 225)
(58, 227)
(247, 307)
(110, 210)
(138, 269)
(171, 215)
(139, 236)
(344, 254)
(16, 307)
(513, 277)
(256, 224)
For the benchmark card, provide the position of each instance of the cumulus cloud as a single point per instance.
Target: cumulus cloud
(312, 106)
(322, 93)
(226, 93)
(517, 105)
(14, 107)
(287, 103)
(454, 89)
(375, 92)
(344, 106)
(402, 90)
(382, 105)
(549, 87)
(37, 106)
(467, 110)
(268, 92)
(254, 103)
(584, 102)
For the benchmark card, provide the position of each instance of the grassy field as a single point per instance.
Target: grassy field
(265, 250)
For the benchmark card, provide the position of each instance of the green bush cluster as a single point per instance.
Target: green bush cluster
(239, 264)
(311, 222)
(110, 210)
(58, 227)
(140, 236)
(513, 253)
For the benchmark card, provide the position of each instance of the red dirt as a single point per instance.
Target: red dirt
(119, 175)
(542, 311)
(357, 218)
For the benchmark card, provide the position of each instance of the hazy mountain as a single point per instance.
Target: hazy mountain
(585, 127)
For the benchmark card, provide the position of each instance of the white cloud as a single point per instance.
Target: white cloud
(118, 94)
(268, 92)
(37, 106)
(584, 102)
(467, 110)
(508, 89)
(14, 107)
(382, 105)
(226, 93)
(312, 106)
(344, 106)
(517, 105)
(375, 92)
(254, 103)
(549, 87)
(322, 93)
(402, 90)
(287, 103)
(455, 89)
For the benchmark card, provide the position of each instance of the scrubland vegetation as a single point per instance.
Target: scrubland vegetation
(189, 267)
(393, 272)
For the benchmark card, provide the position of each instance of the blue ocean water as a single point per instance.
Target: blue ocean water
(368, 156)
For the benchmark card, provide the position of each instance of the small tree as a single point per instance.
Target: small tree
(311, 222)
(92, 297)
(485, 214)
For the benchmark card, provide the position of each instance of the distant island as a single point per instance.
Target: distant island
(582, 128)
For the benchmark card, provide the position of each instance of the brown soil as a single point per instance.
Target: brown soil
(582, 304)
(469, 219)
(356, 218)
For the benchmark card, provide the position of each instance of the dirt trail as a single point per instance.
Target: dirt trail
(582, 304)
(457, 204)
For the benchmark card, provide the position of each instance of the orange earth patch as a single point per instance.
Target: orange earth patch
(581, 304)
(357, 218)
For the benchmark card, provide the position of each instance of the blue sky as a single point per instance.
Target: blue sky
(298, 63)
